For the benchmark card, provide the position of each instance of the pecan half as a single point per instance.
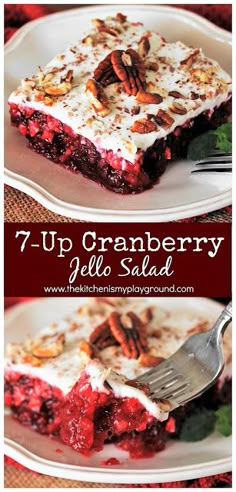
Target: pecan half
(129, 333)
(143, 46)
(48, 346)
(104, 73)
(130, 70)
(143, 126)
(176, 95)
(97, 98)
(178, 108)
(148, 97)
(164, 119)
(102, 337)
(122, 66)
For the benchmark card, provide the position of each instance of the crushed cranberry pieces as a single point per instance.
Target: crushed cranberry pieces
(59, 143)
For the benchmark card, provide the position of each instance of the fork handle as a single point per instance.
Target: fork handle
(223, 321)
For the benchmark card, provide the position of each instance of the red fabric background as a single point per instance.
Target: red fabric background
(17, 15)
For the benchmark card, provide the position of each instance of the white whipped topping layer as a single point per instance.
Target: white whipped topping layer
(114, 130)
(98, 376)
(64, 371)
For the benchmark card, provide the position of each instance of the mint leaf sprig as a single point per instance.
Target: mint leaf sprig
(202, 423)
(201, 146)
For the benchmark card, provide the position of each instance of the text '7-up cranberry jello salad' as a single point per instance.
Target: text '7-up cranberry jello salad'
(76, 380)
(120, 103)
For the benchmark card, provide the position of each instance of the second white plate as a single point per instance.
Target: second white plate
(179, 461)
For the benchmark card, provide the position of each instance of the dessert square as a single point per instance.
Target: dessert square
(119, 104)
(77, 379)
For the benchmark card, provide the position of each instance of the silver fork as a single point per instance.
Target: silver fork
(193, 368)
(216, 162)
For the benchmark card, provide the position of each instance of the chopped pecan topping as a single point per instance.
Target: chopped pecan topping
(48, 101)
(187, 63)
(148, 97)
(108, 30)
(121, 17)
(135, 110)
(193, 95)
(143, 46)
(176, 94)
(129, 333)
(151, 65)
(165, 405)
(178, 108)
(39, 95)
(28, 83)
(89, 40)
(48, 346)
(148, 360)
(198, 328)
(156, 333)
(122, 66)
(143, 126)
(141, 386)
(164, 119)
(97, 97)
(98, 23)
(58, 90)
(69, 76)
(88, 349)
(102, 337)
(201, 75)
(146, 315)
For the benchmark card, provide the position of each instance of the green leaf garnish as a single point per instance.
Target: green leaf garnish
(198, 426)
(224, 137)
(201, 146)
(224, 420)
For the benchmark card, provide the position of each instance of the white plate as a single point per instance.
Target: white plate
(179, 461)
(179, 194)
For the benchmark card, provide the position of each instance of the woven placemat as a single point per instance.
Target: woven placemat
(20, 207)
(14, 478)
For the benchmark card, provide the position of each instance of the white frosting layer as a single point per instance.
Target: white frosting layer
(64, 371)
(114, 130)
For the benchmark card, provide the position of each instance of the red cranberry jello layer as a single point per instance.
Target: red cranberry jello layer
(77, 378)
(120, 103)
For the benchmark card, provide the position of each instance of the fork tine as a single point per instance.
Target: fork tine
(165, 383)
(219, 153)
(212, 170)
(216, 160)
(156, 374)
(173, 393)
